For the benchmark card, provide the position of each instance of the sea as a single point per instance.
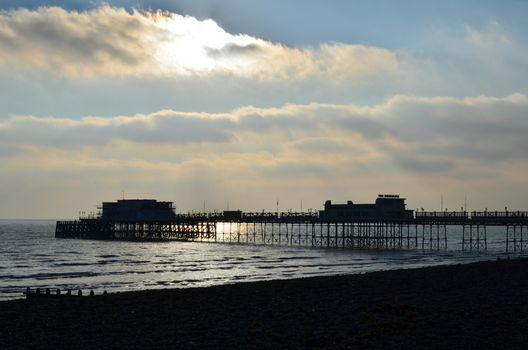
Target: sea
(30, 256)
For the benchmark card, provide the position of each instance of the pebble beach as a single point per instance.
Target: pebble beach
(472, 306)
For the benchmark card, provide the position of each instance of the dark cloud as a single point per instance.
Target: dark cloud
(103, 40)
(488, 129)
(180, 130)
(233, 50)
(279, 123)
(322, 145)
(419, 163)
(294, 170)
(7, 150)
(370, 129)
(166, 129)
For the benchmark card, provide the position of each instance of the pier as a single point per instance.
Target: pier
(383, 225)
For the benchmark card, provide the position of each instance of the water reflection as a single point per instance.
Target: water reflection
(31, 256)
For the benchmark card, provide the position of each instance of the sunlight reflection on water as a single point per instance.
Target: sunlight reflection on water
(31, 256)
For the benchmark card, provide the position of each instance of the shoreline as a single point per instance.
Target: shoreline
(21, 294)
(474, 305)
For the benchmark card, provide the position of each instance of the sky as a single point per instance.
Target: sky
(246, 103)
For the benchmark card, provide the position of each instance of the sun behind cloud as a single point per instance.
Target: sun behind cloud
(108, 41)
(190, 45)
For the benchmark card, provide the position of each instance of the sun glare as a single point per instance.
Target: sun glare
(191, 45)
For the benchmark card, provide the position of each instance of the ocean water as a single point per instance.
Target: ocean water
(30, 256)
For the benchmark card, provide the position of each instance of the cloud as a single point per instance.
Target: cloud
(407, 144)
(10, 150)
(108, 61)
(159, 128)
(338, 60)
(319, 145)
(108, 41)
(239, 116)
(101, 41)
(491, 36)
(429, 131)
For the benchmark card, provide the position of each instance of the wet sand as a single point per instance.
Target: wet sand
(473, 306)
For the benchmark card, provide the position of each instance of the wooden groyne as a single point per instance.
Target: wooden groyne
(48, 293)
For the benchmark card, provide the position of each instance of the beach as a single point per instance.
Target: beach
(471, 306)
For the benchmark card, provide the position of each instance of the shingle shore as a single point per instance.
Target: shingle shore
(472, 306)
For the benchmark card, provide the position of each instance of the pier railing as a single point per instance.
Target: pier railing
(455, 217)
(500, 216)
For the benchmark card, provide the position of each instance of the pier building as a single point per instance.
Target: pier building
(386, 207)
(137, 210)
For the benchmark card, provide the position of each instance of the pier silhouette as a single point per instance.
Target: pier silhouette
(385, 224)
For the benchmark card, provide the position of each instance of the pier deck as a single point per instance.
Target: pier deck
(426, 230)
